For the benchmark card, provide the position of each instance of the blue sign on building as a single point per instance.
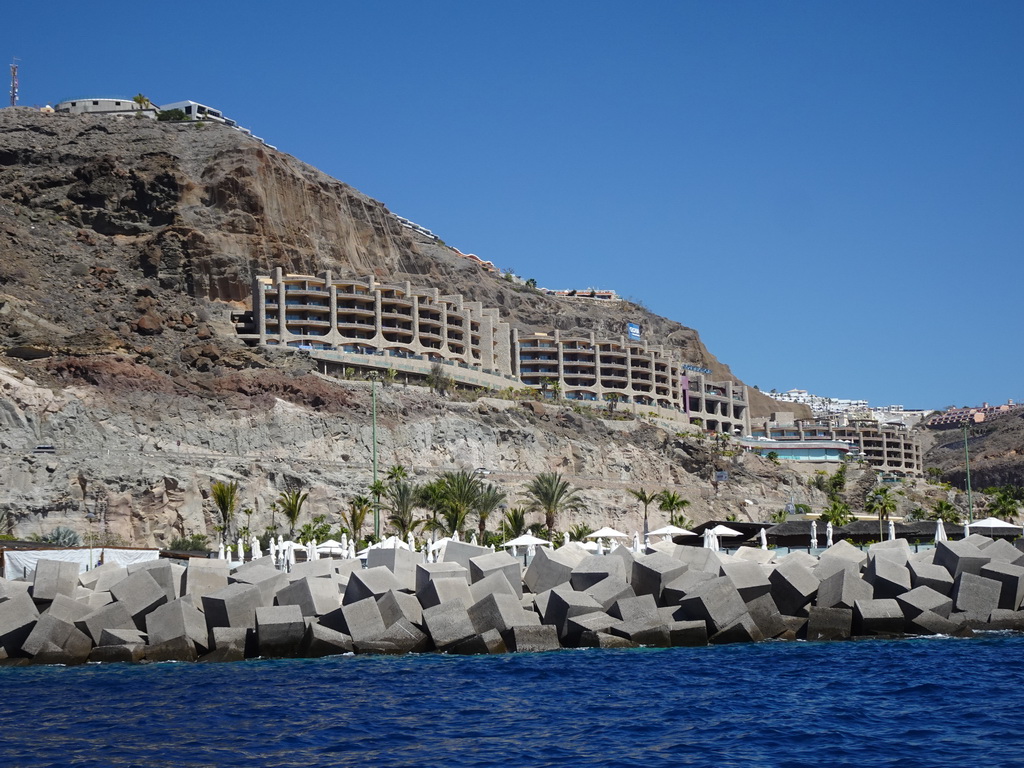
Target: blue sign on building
(633, 330)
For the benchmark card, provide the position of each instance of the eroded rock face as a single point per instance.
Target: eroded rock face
(127, 244)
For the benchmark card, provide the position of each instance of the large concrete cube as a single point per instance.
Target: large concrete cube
(279, 630)
(462, 552)
(750, 579)
(793, 586)
(500, 612)
(975, 595)
(52, 578)
(233, 606)
(652, 572)
(401, 562)
(203, 577)
(551, 568)
(682, 585)
(360, 620)
(395, 605)
(482, 566)
(140, 593)
(62, 634)
(699, 559)
(921, 599)
(266, 579)
(596, 568)
(165, 574)
(313, 596)
(607, 591)
(930, 575)
(564, 603)
(715, 602)
(440, 591)
(372, 582)
(842, 589)
(878, 617)
(110, 616)
(18, 615)
(322, 641)
(959, 557)
(889, 577)
(829, 623)
(427, 572)
(531, 639)
(66, 609)
(448, 624)
(178, 618)
(633, 608)
(1011, 579)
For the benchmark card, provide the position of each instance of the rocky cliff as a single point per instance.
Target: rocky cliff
(125, 245)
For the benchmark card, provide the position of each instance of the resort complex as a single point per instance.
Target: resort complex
(367, 326)
(887, 447)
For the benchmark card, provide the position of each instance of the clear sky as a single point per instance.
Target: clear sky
(832, 194)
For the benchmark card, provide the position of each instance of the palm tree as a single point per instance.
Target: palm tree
(397, 472)
(377, 488)
(403, 498)
(456, 495)
(358, 508)
(290, 503)
(946, 512)
(837, 513)
(644, 497)
(880, 503)
(550, 494)
(491, 497)
(1004, 503)
(513, 524)
(672, 502)
(579, 532)
(225, 498)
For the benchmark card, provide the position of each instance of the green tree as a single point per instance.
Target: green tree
(646, 498)
(402, 500)
(225, 498)
(946, 512)
(455, 498)
(513, 524)
(550, 494)
(579, 532)
(490, 498)
(1005, 501)
(673, 503)
(355, 517)
(377, 489)
(170, 115)
(397, 473)
(318, 530)
(773, 457)
(837, 513)
(438, 379)
(882, 503)
(290, 503)
(142, 101)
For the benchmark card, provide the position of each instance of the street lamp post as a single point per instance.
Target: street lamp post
(376, 497)
(967, 462)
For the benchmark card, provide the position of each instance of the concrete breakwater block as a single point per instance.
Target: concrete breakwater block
(715, 602)
(482, 566)
(793, 585)
(448, 624)
(536, 638)
(550, 569)
(233, 606)
(921, 599)
(52, 578)
(266, 579)
(976, 596)
(888, 577)
(1011, 580)
(179, 618)
(842, 589)
(930, 575)
(959, 557)
(500, 611)
(372, 582)
(564, 603)
(312, 596)
(110, 616)
(878, 617)
(427, 572)
(140, 593)
(395, 605)
(280, 630)
(322, 641)
(829, 623)
(608, 591)
(462, 552)
(652, 572)
(202, 577)
(440, 591)
(361, 620)
(54, 637)
(596, 568)
(165, 574)
(401, 562)
(750, 579)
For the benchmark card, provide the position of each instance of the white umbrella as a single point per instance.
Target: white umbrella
(272, 549)
(344, 541)
(710, 540)
(565, 538)
(291, 554)
(671, 530)
(241, 550)
(257, 553)
(607, 533)
(351, 550)
(220, 551)
(814, 534)
(636, 541)
(526, 540)
(940, 532)
(967, 530)
(473, 541)
(313, 553)
(828, 534)
(331, 547)
(993, 522)
(764, 539)
(721, 530)
(411, 541)
(892, 531)
(600, 547)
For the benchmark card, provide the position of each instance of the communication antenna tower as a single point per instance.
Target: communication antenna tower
(14, 82)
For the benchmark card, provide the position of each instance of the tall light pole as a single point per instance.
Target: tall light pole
(967, 462)
(376, 497)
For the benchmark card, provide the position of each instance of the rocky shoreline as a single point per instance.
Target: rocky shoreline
(475, 601)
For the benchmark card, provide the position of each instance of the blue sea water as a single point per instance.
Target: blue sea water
(930, 702)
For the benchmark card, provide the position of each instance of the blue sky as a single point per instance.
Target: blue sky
(832, 194)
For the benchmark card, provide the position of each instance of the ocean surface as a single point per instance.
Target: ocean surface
(931, 702)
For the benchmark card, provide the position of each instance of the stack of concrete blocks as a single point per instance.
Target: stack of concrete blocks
(476, 601)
